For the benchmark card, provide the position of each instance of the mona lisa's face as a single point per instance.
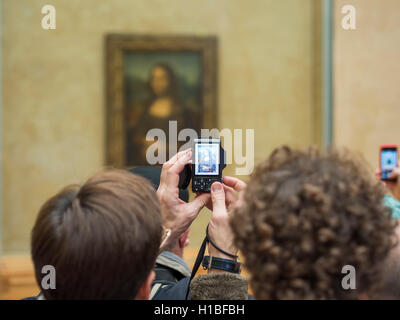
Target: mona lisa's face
(159, 81)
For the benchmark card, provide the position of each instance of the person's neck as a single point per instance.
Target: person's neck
(178, 252)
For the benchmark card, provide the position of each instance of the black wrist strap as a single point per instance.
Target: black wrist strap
(200, 257)
(216, 247)
(232, 266)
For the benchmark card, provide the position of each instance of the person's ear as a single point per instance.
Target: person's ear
(145, 289)
(184, 239)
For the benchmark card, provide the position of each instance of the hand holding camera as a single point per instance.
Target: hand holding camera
(225, 197)
(220, 198)
(177, 214)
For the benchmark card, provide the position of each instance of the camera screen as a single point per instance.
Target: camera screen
(207, 159)
(388, 162)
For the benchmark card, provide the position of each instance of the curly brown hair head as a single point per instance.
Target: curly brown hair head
(305, 215)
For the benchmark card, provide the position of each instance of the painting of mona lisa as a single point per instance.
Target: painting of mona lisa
(161, 79)
(169, 90)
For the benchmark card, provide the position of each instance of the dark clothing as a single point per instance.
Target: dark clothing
(212, 286)
(169, 270)
(173, 279)
(175, 291)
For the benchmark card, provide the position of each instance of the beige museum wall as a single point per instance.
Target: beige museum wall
(53, 84)
(367, 77)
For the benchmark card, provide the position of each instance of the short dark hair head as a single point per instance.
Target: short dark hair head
(102, 238)
(305, 215)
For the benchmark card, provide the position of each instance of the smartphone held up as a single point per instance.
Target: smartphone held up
(388, 158)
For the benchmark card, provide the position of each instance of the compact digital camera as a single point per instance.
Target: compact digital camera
(207, 165)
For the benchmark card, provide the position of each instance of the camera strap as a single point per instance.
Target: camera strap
(200, 257)
(197, 263)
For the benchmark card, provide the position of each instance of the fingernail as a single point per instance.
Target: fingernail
(216, 187)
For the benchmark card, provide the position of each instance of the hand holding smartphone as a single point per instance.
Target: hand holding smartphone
(388, 161)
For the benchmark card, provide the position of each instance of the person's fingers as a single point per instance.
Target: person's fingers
(163, 188)
(177, 156)
(395, 173)
(198, 203)
(378, 174)
(208, 205)
(234, 183)
(168, 165)
(180, 162)
(172, 174)
(230, 195)
(391, 184)
(218, 199)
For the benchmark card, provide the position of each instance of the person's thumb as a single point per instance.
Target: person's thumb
(218, 197)
(198, 203)
(395, 173)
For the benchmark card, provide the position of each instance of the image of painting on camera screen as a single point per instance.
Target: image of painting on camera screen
(206, 159)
